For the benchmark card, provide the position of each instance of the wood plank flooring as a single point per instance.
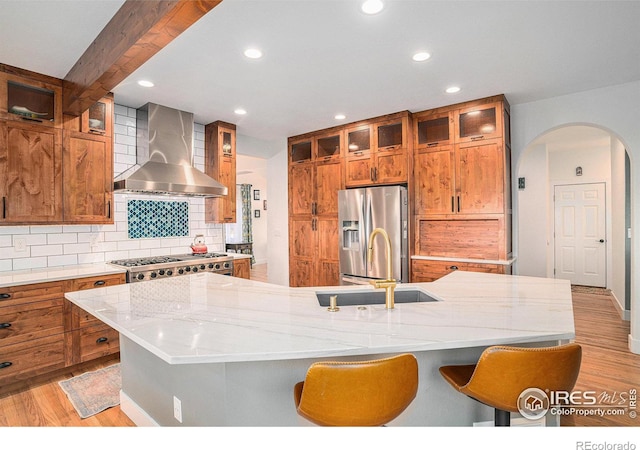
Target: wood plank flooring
(607, 365)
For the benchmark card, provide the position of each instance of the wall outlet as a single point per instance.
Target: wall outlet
(20, 244)
(177, 409)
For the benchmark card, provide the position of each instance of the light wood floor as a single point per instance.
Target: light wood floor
(607, 365)
(259, 272)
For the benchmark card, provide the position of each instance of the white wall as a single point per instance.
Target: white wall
(617, 237)
(615, 109)
(278, 216)
(534, 238)
(61, 245)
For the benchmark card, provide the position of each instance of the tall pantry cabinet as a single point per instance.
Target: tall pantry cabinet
(315, 177)
(462, 185)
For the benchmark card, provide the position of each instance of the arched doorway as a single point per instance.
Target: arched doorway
(563, 159)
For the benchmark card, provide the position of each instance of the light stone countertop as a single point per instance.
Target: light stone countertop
(32, 276)
(205, 318)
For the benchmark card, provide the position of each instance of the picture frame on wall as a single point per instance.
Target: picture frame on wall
(256, 213)
(256, 194)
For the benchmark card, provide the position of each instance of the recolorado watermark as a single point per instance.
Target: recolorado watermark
(534, 403)
(589, 445)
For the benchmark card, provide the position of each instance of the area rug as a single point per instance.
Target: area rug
(93, 392)
(590, 290)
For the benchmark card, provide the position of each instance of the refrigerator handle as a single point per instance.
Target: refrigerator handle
(362, 231)
(368, 230)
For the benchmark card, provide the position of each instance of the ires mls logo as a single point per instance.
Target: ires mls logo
(533, 403)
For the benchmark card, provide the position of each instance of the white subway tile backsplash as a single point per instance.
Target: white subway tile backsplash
(46, 250)
(6, 265)
(58, 245)
(66, 260)
(45, 229)
(90, 258)
(62, 238)
(14, 230)
(29, 263)
(81, 248)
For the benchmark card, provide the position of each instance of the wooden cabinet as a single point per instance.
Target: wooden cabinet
(426, 271)
(378, 152)
(87, 337)
(30, 173)
(41, 332)
(315, 177)
(242, 268)
(462, 187)
(53, 168)
(88, 165)
(31, 331)
(220, 164)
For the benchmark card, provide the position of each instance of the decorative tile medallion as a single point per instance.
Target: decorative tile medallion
(152, 219)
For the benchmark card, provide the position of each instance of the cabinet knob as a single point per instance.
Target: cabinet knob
(4, 325)
(4, 296)
(453, 267)
(101, 340)
(4, 365)
(99, 283)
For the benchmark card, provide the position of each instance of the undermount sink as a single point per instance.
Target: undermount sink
(346, 298)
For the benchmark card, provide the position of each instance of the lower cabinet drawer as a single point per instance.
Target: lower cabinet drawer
(97, 341)
(31, 358)
(425, 270)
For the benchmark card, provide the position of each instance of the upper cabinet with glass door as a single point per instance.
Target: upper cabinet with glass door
(479, 122)
(433, 129)
(36, 100)
(98, 119)
(329, 146)
(301, 150)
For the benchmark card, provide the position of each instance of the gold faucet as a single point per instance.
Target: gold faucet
(389, 284)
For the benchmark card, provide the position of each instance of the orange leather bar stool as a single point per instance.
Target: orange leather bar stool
(358, 393)
(503, 373)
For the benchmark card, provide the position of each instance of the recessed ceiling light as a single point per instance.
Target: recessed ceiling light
(339, 117)
(452, 90)
(240, 111)
(421, 56)
(253, 53)
(145, 83)
(372, 6)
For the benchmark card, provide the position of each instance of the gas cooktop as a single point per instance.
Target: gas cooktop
(155, 267)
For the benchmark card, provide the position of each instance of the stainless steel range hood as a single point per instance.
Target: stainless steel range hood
(164, 152)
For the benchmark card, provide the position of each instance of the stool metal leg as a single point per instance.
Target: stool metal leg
(502, 418)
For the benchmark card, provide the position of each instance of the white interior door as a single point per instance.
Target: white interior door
(580, 239)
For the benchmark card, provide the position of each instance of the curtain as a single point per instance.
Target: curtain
(247, 233)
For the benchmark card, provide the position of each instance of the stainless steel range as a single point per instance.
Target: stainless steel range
(156, 267)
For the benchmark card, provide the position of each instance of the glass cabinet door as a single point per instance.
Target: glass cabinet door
(329, 146)
(98, 117)
(300, 151)
(481, 122)
(227, 143)
(359, 140)
(390, 136)
(30, 102)
(433, 130)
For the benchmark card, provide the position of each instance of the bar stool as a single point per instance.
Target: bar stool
(357, 393)
(503, 373)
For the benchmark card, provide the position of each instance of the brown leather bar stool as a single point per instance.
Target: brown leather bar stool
(503, 373)
(358, 393)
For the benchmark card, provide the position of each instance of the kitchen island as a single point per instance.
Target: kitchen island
(231, 350)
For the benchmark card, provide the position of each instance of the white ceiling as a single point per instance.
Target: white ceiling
(325, 57)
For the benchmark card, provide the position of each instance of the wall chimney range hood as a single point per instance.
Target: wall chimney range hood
(164, 152)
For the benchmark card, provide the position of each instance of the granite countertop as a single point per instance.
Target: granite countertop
(206, 318)
(43, 275)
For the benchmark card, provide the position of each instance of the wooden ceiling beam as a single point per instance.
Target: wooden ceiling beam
(139, 30)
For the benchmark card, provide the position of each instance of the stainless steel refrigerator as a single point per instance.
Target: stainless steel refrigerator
(360, 211)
